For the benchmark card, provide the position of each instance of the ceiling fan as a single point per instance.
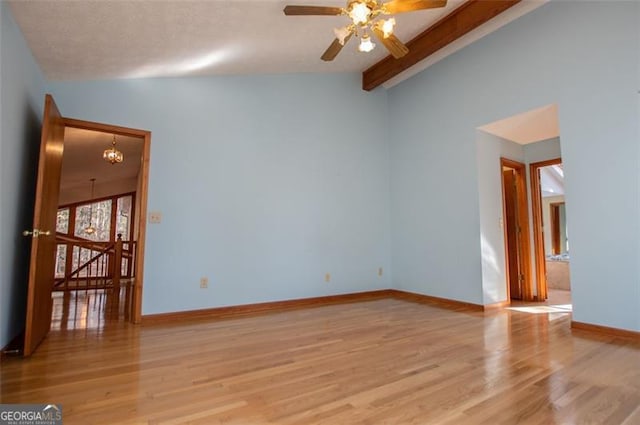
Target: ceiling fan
(365, 19)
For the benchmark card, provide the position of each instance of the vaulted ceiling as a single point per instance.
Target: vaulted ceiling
(552, 180)
(76, 40)
(528, 127)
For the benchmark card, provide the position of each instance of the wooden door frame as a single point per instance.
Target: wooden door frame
(523, 216)
(145, 135)
(538, 236)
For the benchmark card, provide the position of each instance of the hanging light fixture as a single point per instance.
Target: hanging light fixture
(360, 12)
(366, 45)
(112, 154)
(387, 27)
(342, 34)
(366, 16)
(90, 230)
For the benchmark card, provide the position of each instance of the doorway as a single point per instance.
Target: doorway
(48, 240)
(551, 234)
(95, 235)
(516, 230)
(123, 196)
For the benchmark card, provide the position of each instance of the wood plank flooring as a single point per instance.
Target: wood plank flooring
(378, 362)
(90, 309)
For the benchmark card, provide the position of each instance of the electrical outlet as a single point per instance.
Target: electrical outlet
(380, 271)
(204, 282)
(327, 277)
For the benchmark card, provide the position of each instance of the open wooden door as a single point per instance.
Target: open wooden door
(43, 246)
(512, 227)
(516, 229)
(539, 228)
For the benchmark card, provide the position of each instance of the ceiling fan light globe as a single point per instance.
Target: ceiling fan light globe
(359, 12)
(387, 26)
(342, 34)
(366, 45)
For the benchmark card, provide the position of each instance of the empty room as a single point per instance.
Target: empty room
(320, 212)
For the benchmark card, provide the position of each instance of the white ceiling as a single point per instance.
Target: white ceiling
(529, 127)
(534, 126)
(74, 40)
(82, 161)
(552, 180)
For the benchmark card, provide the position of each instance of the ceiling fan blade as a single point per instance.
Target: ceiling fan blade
(312, 10)
(333, 50)
(392, 43)
(400, 6)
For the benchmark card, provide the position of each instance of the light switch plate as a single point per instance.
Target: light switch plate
(204, 282)
(155, 217)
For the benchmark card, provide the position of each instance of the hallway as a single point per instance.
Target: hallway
(91, 309)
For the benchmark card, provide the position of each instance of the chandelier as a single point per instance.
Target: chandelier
(113, 155)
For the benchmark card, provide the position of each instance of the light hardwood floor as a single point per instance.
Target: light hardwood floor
(91, 309)
(378, 362)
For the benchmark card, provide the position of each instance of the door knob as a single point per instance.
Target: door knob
(36, 232)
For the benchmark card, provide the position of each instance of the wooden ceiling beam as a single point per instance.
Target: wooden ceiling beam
(465, 18)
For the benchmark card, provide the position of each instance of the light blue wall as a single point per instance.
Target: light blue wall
(265, 183)
(542, 151)
(22, 89)
(638, 156)
(590, 69)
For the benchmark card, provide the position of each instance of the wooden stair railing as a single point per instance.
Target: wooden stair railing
(104, 265)
(98, 260)
(61, 238)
